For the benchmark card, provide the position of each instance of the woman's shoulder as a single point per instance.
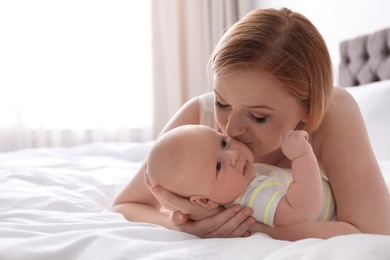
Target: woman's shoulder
(341, 106)
(341, 122)
(188, 114)
(206, 110)
(341, 97)
(206, 101)
(203, 101)
(197, 110)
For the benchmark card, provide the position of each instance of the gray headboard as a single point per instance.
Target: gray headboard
(365, 59)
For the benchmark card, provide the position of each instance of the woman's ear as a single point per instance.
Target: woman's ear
(305, 119)
(305, 116)
(204, 202)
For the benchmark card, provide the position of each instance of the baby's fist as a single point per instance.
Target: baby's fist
(295, 144)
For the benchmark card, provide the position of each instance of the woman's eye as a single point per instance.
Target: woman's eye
(218, 167)
(257, 119)
(223, 143)
(220, 105)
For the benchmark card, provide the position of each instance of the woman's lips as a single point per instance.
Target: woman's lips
(248, 143)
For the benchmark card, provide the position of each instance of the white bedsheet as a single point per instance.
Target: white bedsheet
(55, 204)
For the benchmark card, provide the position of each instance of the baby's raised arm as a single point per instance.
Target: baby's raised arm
(303, 199)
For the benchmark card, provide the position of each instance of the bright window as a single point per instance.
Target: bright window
(77, 64)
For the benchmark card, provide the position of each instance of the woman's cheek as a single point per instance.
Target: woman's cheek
(268, 139)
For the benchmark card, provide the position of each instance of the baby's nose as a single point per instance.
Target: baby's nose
(233, 157)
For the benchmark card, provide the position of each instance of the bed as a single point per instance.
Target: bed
(55, 202)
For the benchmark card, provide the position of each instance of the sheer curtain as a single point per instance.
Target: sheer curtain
(184, 35)
(74, 72)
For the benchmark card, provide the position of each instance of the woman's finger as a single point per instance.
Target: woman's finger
(170, 200)
(235, 224)
(164, 197)
(178, 218)
(259, 227)
(243, 229)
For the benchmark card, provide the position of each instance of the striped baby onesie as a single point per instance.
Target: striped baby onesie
(269, 186)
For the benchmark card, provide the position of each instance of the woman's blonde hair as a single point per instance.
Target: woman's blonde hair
(287, 45)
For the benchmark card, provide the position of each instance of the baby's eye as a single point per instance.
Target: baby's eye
(223, 143)
(218, 167)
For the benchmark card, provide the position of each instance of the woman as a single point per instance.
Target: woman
(272, 73)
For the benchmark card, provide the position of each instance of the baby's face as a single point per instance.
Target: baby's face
(220, 167)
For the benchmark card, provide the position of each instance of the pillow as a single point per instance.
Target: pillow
(374, 102)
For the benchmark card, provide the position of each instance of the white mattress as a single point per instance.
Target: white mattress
(55, 204)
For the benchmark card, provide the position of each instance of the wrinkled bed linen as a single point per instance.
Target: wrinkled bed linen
(55, 204)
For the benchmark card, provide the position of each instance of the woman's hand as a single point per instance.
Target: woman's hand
(231, 222)
(173, 202)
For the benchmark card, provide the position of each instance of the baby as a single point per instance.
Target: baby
(212, 170)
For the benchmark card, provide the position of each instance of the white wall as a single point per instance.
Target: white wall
(339, 20)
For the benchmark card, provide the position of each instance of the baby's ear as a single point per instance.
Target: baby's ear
(204, 202)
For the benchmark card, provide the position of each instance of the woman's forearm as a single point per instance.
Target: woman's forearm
(143, 213)
(312, 229)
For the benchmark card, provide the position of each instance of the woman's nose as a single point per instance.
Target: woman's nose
(235, 127)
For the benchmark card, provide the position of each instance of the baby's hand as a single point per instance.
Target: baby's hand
(295, 144)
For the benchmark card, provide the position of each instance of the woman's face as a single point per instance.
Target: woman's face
(252, 107)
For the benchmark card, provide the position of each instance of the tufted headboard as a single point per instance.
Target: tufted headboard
(365, 59)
